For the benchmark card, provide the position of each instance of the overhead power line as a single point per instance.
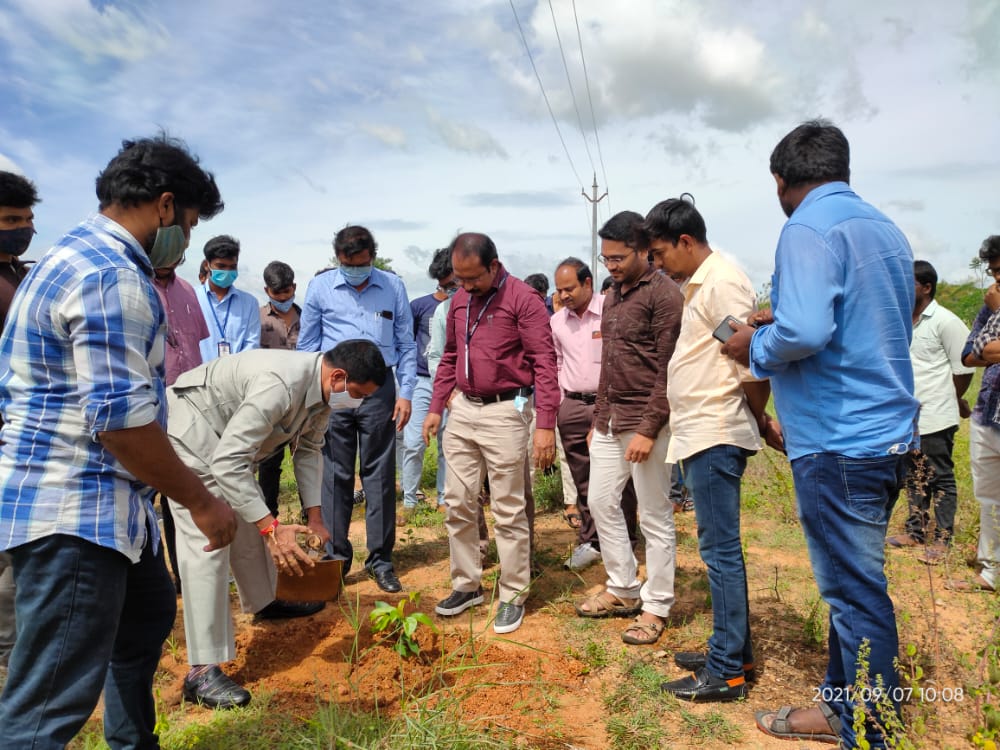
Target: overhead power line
(593, 117)
(569, 82)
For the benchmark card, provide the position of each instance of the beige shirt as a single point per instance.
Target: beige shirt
(236, 411)
(936, 351)
(704, 387)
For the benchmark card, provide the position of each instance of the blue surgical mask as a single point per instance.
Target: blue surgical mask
(169, 246)
(356, 275)
(223, 279)
(282, 307)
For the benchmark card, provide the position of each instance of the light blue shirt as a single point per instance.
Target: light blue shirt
(335, 311)
(234, 319)
(82, 353)
(838, 352)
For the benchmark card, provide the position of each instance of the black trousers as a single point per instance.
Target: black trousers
(930, 482)
(370, 430)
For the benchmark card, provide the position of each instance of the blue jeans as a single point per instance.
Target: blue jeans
(713, 478)
(844, 507)
(87, 619)
(412, 454)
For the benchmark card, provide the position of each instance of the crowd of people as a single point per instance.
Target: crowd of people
(122, 384)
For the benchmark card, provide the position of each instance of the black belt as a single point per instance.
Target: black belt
(502, 396)
(587, 398)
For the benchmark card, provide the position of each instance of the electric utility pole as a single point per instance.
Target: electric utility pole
(593, 244)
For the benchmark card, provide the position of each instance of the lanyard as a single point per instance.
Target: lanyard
(470, 332)
(211, 306)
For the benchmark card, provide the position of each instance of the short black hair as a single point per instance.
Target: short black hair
(440, 267)
(278, 275)
(582, 269)
(924, 273)
(990, 249)
(17, 191)
(607, 283)
(222, 246)
(669, 219)
(622, 227)
(146, 168)
(538, 282)
(474, 244)
(814, 153)
(354, 240)
(361, 359)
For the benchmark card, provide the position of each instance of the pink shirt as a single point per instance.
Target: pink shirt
(185, 326)
(509, 346)
(578, 346)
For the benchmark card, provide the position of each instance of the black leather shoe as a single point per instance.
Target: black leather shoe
(695, 660)
(701, 686)
(385, 580)
(280, 609)
(215, 690)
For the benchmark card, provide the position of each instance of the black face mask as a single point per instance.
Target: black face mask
(15, 241)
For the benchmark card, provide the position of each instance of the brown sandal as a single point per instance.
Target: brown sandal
(606, 604)
(641, 633)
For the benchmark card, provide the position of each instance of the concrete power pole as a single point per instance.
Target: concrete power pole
(593, 243)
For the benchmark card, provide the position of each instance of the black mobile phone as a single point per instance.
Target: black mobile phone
(723, 331)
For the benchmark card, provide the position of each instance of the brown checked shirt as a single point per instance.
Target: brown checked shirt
(639, 331)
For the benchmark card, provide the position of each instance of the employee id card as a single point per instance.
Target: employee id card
(224, 348)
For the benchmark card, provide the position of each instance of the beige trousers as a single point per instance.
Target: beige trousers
(491, 438)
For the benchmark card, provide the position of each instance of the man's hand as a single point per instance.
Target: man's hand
(216, 520)
(992, 298)
(738, 346)
(964, 410)
(760, 318)
(639, 448)
(772, 434)
(314, 520)
(432, 423)
(401, 414)
(544, 452)
(285, 550)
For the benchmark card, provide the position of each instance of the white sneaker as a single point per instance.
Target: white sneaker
(583, 557)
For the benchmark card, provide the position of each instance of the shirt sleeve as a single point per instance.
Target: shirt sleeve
(953, 336)
(536, 341)
(668, 309)
(444, 378)
(405, 343)
(311, 320)
(809, 279)
(989, 332)
(435, 347)
(110, 324)
(307, 461)
(250, 335)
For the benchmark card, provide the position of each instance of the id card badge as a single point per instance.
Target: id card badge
(224, 348)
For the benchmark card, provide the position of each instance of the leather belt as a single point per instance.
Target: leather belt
(587, 398)
(502, 396)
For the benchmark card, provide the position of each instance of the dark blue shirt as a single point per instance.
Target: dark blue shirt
(423, 309)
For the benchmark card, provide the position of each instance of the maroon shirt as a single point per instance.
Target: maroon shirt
(510, 347)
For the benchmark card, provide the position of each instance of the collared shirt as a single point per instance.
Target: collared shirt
(705, 387)
(82, 354)
(640, 331)
(236, 411)
(422, 309)
(496, 343)
(185, 326)
(986, 328)
(438, 333)
(234, 319)
(578, 346)
(274, 334)
(936, 352)
(335, 311)
(838, 352)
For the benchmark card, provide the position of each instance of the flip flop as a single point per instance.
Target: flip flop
(646, 633)
(606, 604)
(573, 520)
(781, 728)
(976, 585)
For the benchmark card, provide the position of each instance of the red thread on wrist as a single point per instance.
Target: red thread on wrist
(270, 529)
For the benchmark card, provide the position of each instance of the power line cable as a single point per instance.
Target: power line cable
(593, 117)
(569, 82)
(544, 95)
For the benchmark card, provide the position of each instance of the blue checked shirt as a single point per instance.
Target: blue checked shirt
(82, 353)
(335, 311)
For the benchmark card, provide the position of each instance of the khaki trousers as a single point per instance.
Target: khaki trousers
(492, 439)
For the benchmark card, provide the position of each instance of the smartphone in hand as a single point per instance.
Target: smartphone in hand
(724, 331)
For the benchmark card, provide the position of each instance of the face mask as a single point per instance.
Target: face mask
(282, 307)
(168, 247)
(15, 241)
(356, 275)
(344, 400)
(223, 279)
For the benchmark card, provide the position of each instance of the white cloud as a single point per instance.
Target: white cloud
(386, 134)
(465, 137)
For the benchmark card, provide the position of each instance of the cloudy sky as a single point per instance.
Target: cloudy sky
(423, 119)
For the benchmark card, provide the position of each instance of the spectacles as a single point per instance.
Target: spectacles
(613, 260)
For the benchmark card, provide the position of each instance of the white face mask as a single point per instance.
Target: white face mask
(344, 400)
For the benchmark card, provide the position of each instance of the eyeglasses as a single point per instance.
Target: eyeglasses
(613, 260)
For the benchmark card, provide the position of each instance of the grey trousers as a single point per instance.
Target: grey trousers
(8, 630)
